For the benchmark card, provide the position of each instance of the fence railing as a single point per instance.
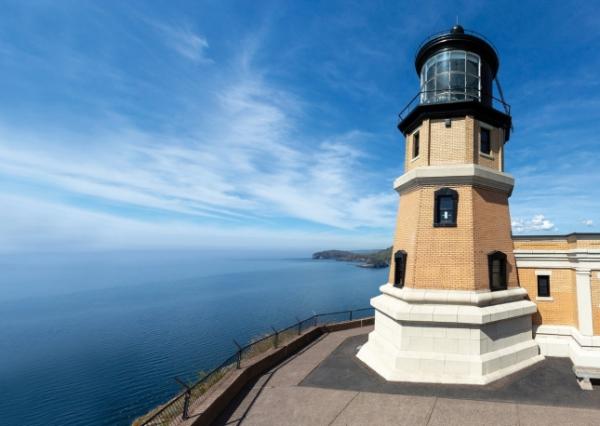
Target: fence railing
(178, 407)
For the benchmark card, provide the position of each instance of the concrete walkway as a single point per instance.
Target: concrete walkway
(297, 393)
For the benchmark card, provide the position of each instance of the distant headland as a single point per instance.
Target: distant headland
(368, 259)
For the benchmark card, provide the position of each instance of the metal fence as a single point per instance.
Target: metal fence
(178, 407)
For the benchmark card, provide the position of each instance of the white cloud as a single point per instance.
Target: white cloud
(588, 222)
(31, 224)
(184, 41)
(536, 223)
(246, 161)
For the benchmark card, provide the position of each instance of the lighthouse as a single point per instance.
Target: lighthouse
(452, 310)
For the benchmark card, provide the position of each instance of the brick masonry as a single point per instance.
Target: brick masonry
(453, 257)
(561, 309)
(596, 301)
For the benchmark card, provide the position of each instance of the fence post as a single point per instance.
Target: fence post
(239, 354)
(351, 315)
(186, 399)
(276, 336)
(316, 319)
(186, 405)
(299, 326)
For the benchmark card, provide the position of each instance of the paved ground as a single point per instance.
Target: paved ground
(326, 385)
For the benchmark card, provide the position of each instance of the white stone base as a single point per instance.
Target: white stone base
(446, 337)
(565, 341)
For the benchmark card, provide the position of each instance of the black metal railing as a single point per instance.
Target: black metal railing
(178, 407)
(444, 96)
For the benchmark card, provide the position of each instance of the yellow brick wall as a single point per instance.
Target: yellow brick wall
(448, 145)
(423, 158)
(453, 257)
(457, 144)
(570, 243)
(406, 232)
(596, 301)
(492, 161)
(492, 231)
(444, 256)
(562, 309)
(579, 243)
(555, 244)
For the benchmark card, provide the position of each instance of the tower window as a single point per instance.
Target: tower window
(543, 286)
(416, 142)
(497, 270)
(400, 268)
(445, 207)
(485, 142)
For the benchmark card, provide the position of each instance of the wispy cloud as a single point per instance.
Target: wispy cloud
(246, 163)
(38, 225)
(588, 222)
(183, 40)
(539, 222)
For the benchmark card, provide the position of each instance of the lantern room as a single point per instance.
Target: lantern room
(457, 70)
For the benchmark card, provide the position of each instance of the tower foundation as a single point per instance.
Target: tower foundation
(450, 336)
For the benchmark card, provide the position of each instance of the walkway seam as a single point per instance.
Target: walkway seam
(343, 408)
(431, 411)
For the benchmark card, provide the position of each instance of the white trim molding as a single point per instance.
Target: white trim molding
(457, 174)
(579, 344)
(558, 259)
(584, 301)
(567, 341)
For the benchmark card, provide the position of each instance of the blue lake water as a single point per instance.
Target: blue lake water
(97, 338)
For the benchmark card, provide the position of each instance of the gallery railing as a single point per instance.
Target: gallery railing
(178, 407)
(447, 96)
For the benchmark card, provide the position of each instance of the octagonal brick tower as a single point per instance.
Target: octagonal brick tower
(453, 310)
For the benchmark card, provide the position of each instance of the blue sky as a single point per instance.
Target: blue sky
(226, 124)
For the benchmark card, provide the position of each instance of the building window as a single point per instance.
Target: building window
(485, 141)
(445, 207)
(543, 285)
(415, 146)
(400, 268)
(497, 269)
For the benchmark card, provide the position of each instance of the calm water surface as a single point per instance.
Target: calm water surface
(104, 335)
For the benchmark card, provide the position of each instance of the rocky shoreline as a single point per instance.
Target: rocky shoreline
(375, 259)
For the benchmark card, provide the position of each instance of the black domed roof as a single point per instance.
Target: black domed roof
(458, 38)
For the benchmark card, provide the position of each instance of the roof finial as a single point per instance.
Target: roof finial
(457, 28)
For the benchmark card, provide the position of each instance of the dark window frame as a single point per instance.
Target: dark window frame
(438, 222)
(547, 293)
(399, 268)
(416, 145)
(487, 131)
(499, 256)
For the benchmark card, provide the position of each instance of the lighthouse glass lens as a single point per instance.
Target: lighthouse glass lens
(443, 66)
(450, 76)
(472, 67)
(442, 82)
(457, 61)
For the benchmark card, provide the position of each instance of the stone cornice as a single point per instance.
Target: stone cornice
(582, 259)
(458, 174)
(454, 297)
